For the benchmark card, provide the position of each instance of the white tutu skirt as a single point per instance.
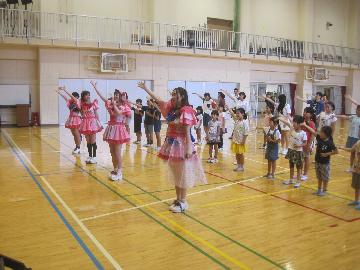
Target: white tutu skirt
(183, 172)
(116, 134)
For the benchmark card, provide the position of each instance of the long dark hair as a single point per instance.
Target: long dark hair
(282, 103)
(83, 94)
(183, 93)
(73, 106)
(242, 111)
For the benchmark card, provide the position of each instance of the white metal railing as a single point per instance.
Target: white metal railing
(78, 28)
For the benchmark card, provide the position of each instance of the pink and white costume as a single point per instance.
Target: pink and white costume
(90, 124)
(184, 172)
(74, 119)
(115, 132)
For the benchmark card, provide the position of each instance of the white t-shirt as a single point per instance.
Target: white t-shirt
(326, 119)
(243, 104)
(297, 139)
(354, 126)
(207, 106)
(274, 134)
(286, 113)
(241, 129)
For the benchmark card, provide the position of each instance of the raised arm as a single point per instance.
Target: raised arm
(61, 94)
(264, 97)
(143, 86)
(285, 121)
(342, 116)
(228, 94)
(312, 131)
(301, 99)
(196, 94)
(67, 92)
(233, 115)
(353, 101)
(94, 84)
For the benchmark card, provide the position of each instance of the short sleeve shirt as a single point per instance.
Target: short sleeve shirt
(297, 139)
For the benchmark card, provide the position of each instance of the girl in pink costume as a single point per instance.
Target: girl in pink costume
(116, 133)
(90, 124)
(74, 120)
(185, 169)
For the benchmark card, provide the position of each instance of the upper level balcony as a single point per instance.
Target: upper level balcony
(58, 29)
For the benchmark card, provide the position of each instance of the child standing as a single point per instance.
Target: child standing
(324, 149)
(269, 109)
(309, 118)
(295, 153)
(214, 136)
(273, 137)
(74, 120)
(157, 125)
(328, 117)
(90, 124)
(197, 127)
(208, 106)
(149, 123)
(138, 115)
(222, 115)
(355, 183)
(240, 133)
(185, 169)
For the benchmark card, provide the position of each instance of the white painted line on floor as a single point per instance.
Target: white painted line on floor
(67, 208)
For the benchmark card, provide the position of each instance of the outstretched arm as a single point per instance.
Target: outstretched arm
(67, 92)
(143, 86)
(233, 115)
(285, 121)
(61, 94)
(342, 116)
(301, 99)
(228, 94)
(94, 84)
(264, 97)
(196, 94)
(353, 101)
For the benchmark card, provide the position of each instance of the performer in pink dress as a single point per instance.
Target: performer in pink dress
(90, 124)
(74, 120)
(185, 169)
(116, 133)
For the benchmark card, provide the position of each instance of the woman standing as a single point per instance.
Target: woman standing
(185, 169)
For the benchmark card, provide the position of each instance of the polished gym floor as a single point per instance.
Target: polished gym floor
(58, 213)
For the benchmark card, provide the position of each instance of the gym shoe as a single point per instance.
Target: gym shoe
(304, 177)
(87, 161)
(349, 170)
(284, 152)
(321, 193)
(215, 160)
(111, 174)
(137, 142)
(179, 207)
(297, 185)
(92, 160)
(209, 160)
(354, 203)
(270, 176)
(171, 207)
(239, 169)
(76, 151)
(288, 182)
(114, 177)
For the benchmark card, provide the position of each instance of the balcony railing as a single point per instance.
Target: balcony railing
(32, 25)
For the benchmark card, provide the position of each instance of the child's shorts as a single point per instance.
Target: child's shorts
(206, 119)
(351, 141)
(149, 128)
(355, 181)
(295, 157)
(157, 125)
(322, 171)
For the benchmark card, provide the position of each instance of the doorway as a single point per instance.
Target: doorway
(333, 93)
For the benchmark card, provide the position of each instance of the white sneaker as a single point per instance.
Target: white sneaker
(215, 160)
(157, 148)
(288, 182)
(239, 169)
(171, 207)
(284, 152)
(304, 177)
(209, 160)
(87, 161)
(76, 151)
(297, 185)
(117, 177)
(92, 160)
(179, 207)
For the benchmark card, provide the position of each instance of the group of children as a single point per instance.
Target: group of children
(297, 135)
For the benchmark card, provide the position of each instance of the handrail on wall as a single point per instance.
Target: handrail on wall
(123, 32)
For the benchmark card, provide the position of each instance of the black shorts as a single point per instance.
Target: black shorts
(137, 127)
(157, 125)
(206, 119)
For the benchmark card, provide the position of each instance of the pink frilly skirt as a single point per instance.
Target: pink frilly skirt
(183, 172)
(90, 125)
(116, 133)
(73, 122)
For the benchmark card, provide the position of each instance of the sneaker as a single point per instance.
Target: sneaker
(179, 207)
(158, 148)
(239, 169)
(304, 177)
(321, 193)
(137, 142)
(111, 174)
(209, 160)
(76, 151)
(171, 207)
(317, 192)
(349, 170)
(354, 203)
(297, 185)
(270, 176)
(114, 177)
(92, 160)
(284, 152)
(266, 175)
(288, 182)
(87, 161)
(215, 160)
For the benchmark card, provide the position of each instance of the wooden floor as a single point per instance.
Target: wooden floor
(58, 213)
